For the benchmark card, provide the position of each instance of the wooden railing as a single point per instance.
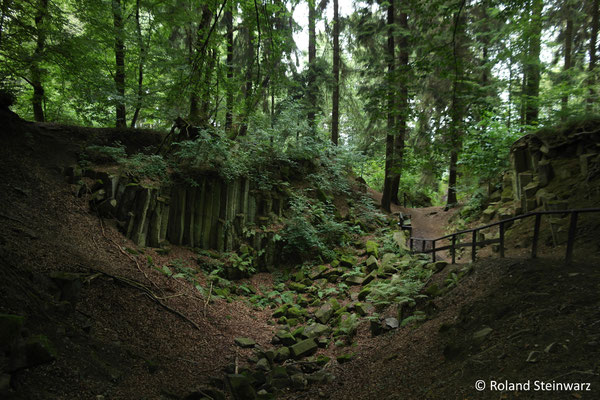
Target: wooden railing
(455, 244)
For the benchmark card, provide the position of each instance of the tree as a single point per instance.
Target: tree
(593, 55)
(531, 68)
(403, 105)
(119, 76)
(335, 112)
(386, 197)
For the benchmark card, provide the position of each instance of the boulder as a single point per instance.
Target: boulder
(263, 365)
(241, 387)
(284, 337)
(488, 214)
(372, 248)
(299, 381)
(297, 287)
(390, 323)
(315, 330)
(347, 261)
(344, 358)
(245, 343)
(282, 354)
(10, 329)
(354, 280)
(324, 313)
(371, 263)
(304, 348)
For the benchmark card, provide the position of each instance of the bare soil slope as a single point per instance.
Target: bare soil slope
(126, 332)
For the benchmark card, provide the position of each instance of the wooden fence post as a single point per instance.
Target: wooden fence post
(571, 238)
(474, 247)
(502, 239)
(536, 235)
(411, 244)
(453, 249)
(433, 250)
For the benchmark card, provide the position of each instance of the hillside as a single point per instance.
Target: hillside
(88, 313)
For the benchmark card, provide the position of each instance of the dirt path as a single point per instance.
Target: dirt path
(427, 222)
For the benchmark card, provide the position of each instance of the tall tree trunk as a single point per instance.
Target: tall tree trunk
(386, 197)
(141, 62)
(564, 108)
(197, 53)
(532, 88)
(593, 56)
(457, 108)
(312, 55)
(37, 100)
(229, 85)
(205, 89)
(248, 87)
(335, 112)
(119, 63)
(403, 107)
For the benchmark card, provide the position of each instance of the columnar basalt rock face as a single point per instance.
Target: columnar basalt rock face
(548, 156)
(213, 214)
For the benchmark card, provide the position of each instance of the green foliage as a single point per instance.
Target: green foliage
(486, 147)
(403, 287)
(311, 229)
(138, 165)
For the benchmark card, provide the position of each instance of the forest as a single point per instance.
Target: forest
(415, 92)
(299, 199)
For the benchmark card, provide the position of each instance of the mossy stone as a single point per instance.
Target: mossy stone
(245, 342)
(241, 387)
(304, 348)
(10, 327)
(39, 350)
(372, 248)
(343, 358)
(297, 287)
(347, 261)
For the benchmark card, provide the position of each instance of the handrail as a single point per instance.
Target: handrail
(501, 225)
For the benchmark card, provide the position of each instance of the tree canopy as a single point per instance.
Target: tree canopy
(422, 92)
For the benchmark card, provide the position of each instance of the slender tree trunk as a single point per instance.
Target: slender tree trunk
(312, 55)
(37, 100)
(197, 53)
(564, 109)
(403, 107)
(386, 197)
(119, 63)
(335, 112)
(204, 112)
(229, 86)
(593, 56)
(249, 81)
(457, 108)
(532, 87)
(141, 62)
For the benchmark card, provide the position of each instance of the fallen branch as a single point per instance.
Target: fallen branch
(132, 258)
(207, 299)
(147, 292)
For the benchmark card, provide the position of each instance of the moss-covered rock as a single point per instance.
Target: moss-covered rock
(10, 328)
(347, 261)
(241, 387)
(372, 248)
(244, 342)
(324, 313)
(304, 348)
